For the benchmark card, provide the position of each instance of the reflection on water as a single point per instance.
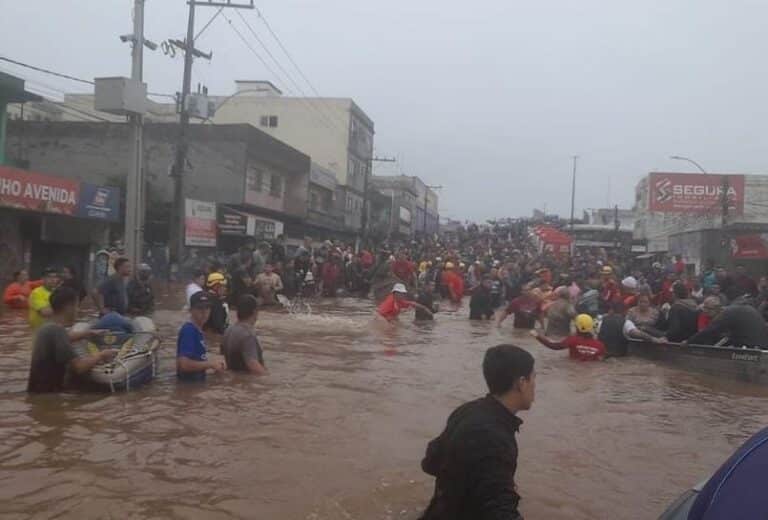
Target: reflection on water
(338, 428)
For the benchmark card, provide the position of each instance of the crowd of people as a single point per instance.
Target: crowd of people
(591, 304)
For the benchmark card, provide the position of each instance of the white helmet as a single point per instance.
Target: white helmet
(399, 288)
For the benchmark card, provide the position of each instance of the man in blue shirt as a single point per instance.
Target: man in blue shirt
(191, 354)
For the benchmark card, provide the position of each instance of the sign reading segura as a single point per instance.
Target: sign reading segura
(695, 193)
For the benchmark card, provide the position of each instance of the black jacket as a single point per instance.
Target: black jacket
(741, 324)
(683, 320)
(480, 305)
(474, 461)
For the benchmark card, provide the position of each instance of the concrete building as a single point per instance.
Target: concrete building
(684, 214)
(407, 197)
(12, 94)
(324, 219)
(237, 167)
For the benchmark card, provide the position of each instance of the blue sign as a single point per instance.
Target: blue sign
(99, 202)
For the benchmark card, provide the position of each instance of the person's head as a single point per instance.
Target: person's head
(617, 307)
(68, 273)
(712, 306)
(200, 308)
(198, 277)
(644, 302)
(629, 284)
(123, 267)
(144, 272)
(680, 291)
(714, 289)
(63, 302)
(487, 282)
(585, 324)
(269, 268)
(247, 308)
(508, 372)
(721, 273)
(51, 278)
(399, 291)
(606, 271)
(245, 255)
(217, 284)
(21, 276)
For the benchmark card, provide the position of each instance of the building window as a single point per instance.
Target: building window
(268, 121)
(276, 186)
(313, 201)
(259, 181)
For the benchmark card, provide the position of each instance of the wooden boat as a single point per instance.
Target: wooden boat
(744, 364)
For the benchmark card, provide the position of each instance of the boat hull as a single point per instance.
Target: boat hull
(743, 364)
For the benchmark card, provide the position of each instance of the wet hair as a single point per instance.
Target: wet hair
(17, 274)
(680, 290)
(197, 274)
(503, 365)
(61, 297)
(247, 306)
(120, 262)
(617, 307)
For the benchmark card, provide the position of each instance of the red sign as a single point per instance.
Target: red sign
(200, 223)
(34, 191)
(695, 193)
(750, 246)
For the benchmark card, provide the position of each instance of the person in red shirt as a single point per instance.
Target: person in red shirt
(453, 282)
(16, 295)
(610, 291)
(404, 270)
(366, 259)
(583, 346)
(527, 308)
(679, 265)
(397, 302)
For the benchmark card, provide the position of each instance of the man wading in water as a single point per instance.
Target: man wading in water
(475, 458)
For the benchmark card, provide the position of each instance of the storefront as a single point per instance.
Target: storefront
(47, 220)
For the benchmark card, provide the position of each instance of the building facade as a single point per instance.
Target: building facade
(407, 197)
(707, 219)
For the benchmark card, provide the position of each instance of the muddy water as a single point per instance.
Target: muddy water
(338, 428)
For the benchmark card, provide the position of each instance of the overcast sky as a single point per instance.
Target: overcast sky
(488, 98)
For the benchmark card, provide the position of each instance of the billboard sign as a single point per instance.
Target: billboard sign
(37, 192)
(232, 222)
(750, 246)
(99, 202)
(695, 193)
(199, 223)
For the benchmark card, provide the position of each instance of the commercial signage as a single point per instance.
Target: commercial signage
(199, 223)
(33, 191)
(750, 246)
(695, 193)
(232, 222)
(99, 202)
(262, 228)
(405, 215)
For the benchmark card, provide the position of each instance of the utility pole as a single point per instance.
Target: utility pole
(573, 189)
(426, 193)
(182, 147)
(616, 226)
(134, 196)
(364, 217)
(725, 202)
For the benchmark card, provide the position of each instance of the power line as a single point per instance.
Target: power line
(209, 23)
(271, 71)
(288, 54)
(280, 66)
(67, 76)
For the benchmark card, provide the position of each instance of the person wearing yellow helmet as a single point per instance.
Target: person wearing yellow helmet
(582, 346)
(219, 318)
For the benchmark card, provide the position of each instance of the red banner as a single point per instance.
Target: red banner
(750, 246)
(695, 193)
(34, 191)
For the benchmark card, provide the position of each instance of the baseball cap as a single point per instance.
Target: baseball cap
(399, 288)
(200, 300)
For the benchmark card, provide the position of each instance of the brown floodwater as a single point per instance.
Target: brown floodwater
(338, 428)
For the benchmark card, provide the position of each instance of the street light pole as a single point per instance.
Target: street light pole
(573, 190)
(681, 158)
(134, 196)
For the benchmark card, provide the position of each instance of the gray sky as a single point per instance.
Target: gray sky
(488, 98)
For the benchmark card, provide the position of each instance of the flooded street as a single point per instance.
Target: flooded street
(338, 428)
